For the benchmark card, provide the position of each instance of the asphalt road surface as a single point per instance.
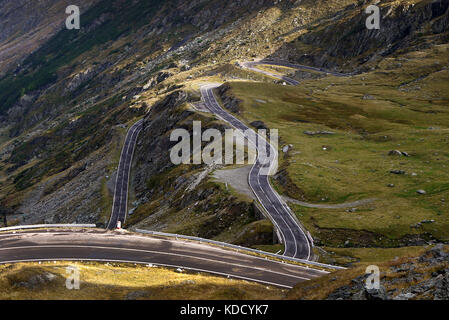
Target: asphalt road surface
(114, 246)
(252, 65)
(120, 202)
(294, 238)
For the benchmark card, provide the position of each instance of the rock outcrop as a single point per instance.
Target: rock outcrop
(426, 277)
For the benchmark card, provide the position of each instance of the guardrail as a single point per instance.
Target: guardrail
(39, 226)
(236, 247)
(267, 216)
(178, 236)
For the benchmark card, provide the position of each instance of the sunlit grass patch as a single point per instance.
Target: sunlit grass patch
(111, 281)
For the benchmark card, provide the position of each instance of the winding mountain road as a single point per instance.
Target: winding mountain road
(296, 242)
(120, 202)
(252, 65)
(113, 246)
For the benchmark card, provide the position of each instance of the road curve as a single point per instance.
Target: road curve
(252, 65)
(120, 202)
(294, 238)
(113, 246)
(99, 245)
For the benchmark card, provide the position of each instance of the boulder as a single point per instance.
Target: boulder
(398, 153)
(397, 171)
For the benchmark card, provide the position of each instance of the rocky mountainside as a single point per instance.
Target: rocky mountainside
(343, 42)
(423, 277)
(25, 25)
(182, 199)
(59, 164)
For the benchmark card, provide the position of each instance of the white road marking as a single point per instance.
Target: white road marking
(123, 162)
(152, 252)
(179, 242)
(207, 93)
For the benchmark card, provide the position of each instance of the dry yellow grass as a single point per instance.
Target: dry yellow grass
(100, 281)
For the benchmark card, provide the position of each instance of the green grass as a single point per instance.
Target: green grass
(356, 256)
(357, 165)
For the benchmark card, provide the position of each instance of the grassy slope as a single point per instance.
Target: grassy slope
(405, 114)
(116, 281)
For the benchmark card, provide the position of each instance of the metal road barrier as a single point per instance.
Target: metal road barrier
(39, 226)
(178, 236)
(236, 247)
